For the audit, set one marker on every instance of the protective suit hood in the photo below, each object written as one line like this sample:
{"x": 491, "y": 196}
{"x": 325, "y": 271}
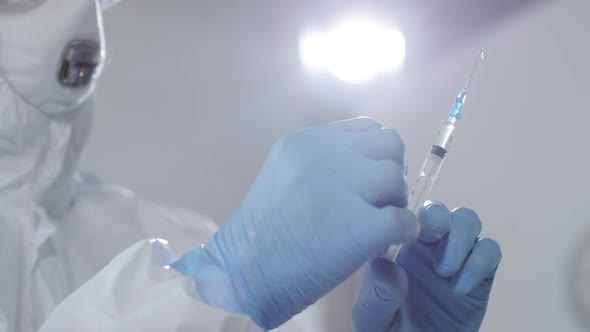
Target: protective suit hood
{"x": 58, "y": 230}
{"x": 50, "y": 57}
{"x": 51, "y": 52}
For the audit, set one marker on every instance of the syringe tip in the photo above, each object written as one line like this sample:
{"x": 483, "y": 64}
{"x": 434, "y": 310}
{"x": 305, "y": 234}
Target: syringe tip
{"x": 481, "y": 56}
{"x": 460, "y": 100}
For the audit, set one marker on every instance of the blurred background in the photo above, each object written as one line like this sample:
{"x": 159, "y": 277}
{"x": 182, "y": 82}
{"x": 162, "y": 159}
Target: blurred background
{"x": 195, "y": 92}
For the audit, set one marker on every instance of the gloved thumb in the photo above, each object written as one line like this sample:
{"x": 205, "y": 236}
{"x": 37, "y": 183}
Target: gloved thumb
{"x": 382, "y": 290}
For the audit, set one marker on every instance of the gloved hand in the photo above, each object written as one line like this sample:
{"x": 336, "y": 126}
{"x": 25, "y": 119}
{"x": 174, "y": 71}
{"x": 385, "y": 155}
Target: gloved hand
{"x": 442, "y": 283}
{"x": 326, "y": 200}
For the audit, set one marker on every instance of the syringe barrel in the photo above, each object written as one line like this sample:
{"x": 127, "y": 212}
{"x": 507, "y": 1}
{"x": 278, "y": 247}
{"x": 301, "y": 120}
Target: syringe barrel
{"x": 425, "y": 181}
{"x": 444, "y": 136}
{"x": 428, "y": 174}
{"x": 421, "y": 189}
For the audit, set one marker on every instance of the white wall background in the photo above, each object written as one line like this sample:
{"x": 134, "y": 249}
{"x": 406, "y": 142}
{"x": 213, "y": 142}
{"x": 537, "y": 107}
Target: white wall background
{"x": 195, "y": 92}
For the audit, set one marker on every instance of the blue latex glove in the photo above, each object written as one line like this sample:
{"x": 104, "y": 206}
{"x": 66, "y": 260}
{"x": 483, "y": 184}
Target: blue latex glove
{"x": 439, "y": 285}
{"x": 326, "y": 199}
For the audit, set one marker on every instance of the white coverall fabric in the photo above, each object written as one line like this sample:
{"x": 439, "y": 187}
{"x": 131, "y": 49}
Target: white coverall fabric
{"x": 51, "y": 246}
{"x": 59, "y": 230}
{"x": 161, "y": 297}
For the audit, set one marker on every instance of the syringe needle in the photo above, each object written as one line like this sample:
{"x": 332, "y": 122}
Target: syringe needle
{"x": 479, "y": 56}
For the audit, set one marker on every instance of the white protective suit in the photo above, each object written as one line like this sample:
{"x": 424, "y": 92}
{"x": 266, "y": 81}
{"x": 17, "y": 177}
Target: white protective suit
{"x": 75, "y": 253}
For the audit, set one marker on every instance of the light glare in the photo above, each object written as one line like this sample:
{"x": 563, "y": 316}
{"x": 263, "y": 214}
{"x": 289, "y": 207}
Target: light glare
{"x": 312, "y": 50}
{"x": 355, "y": 51}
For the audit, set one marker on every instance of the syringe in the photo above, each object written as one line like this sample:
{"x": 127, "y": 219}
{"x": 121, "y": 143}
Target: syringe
{"x": 435, "y": 158}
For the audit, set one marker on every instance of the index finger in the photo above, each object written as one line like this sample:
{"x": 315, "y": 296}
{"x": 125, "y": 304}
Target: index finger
{"x": 435, "y": 220}
{"x": 450, "y": 254}
{"x": 382, "y": 144}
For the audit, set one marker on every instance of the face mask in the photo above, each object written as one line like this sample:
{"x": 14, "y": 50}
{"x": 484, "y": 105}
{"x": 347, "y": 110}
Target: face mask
{"x": 51, "y": 51}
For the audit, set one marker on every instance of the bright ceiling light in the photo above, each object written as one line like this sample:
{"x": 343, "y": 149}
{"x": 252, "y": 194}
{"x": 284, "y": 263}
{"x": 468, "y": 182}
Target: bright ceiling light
{"x": 312, "y": 50}
{"x": 355, "y": 50}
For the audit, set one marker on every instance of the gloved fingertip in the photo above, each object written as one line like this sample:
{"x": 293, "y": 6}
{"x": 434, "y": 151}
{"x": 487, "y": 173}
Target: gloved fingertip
{"x": 435, "y": 220}
{"x": 434, "y": 207}
{"x": 180, "y": 267}
{"x": 434, "y": 211}
{"x": 445, "y": 261}
{"x": 384, "y": 289}
{"x": 390, "y": 277}
{"x": 384, "y": 282}
{"x": 448, "y": 264}
{"x": 444, "y": 270}
{"x": 466, "y": 284}
{"x": 400, "y": 225}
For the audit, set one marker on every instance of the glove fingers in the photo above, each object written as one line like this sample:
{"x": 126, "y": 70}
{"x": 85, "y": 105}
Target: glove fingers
{"x": 382, "y": 144}
{"x": 397, "y": 225}
{"x": 381, "y": 183}
{"x": 374, "y": 229}
{"x": 383, "y": 289}
{"x": 456, "y": 246}
{"x": 478, "y": 273}
{"x": 435, "y": 220}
